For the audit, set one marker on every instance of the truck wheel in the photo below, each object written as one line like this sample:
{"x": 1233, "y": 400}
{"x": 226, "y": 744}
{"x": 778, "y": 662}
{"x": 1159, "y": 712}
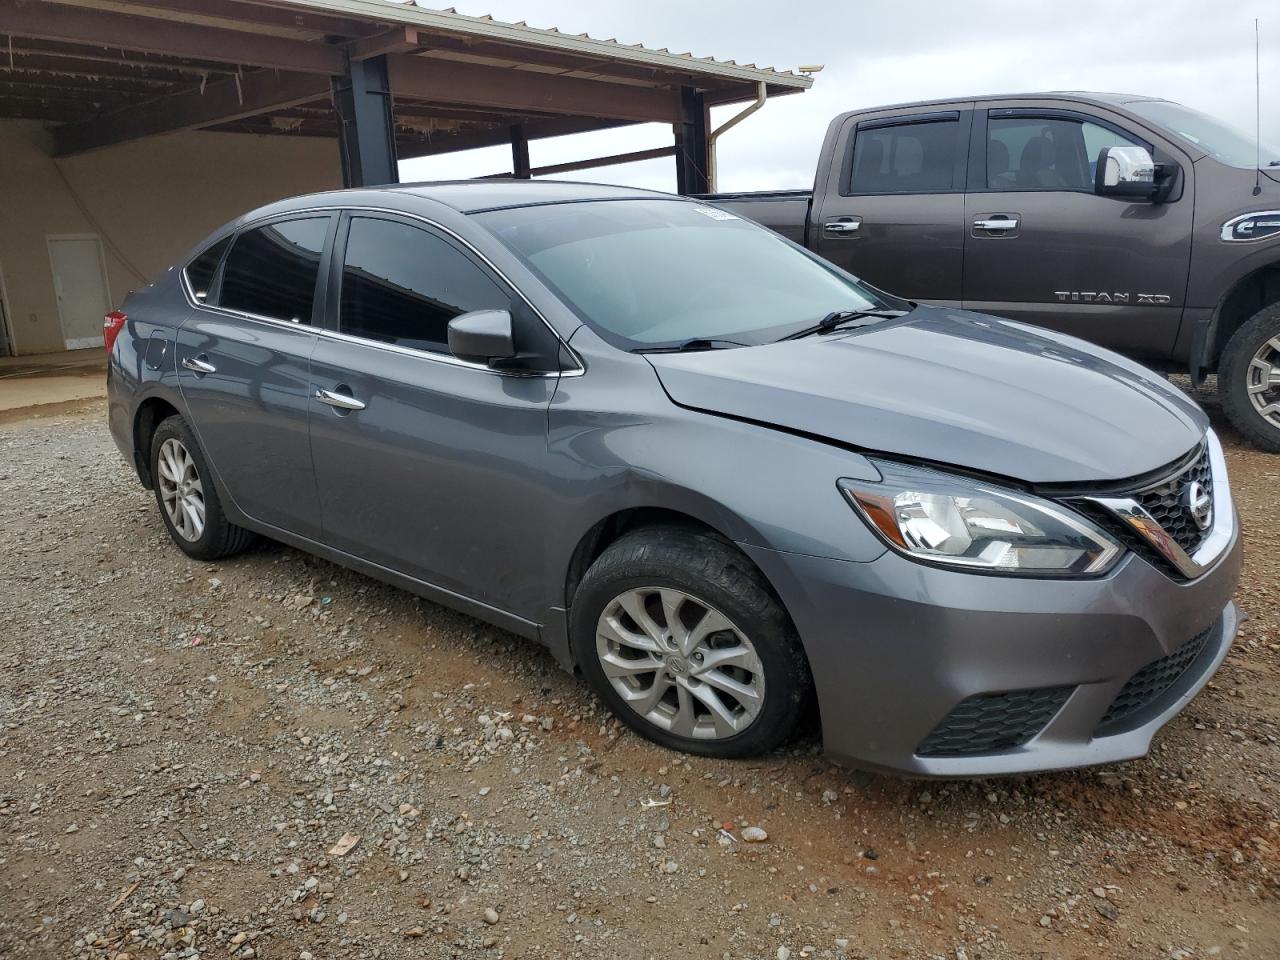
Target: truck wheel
{"x": 1249, "y": 379}
{"x": 680, "y": 635}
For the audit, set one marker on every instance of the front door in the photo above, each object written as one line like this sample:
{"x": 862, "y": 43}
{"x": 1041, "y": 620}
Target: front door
{"x": 427, "y": 465}
{"x": 893, "y": 211}
{"x": 80, "y": 285}
{"x": 243, "y": 366}
{"x": 1043, "y": 248}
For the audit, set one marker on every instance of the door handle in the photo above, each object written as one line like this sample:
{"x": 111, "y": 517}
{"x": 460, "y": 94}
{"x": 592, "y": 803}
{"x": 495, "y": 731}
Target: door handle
{"x": 199, "y": 365}
{"x": 342, "y": 401}
{"x": 1008, "y": 223}
{"x": 842, "y": 226}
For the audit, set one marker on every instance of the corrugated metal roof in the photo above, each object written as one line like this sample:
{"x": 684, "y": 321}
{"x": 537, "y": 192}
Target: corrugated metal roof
{"x": 450, "y": 21}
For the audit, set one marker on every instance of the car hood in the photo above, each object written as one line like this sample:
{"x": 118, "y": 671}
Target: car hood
{"x": 952, "y": 387}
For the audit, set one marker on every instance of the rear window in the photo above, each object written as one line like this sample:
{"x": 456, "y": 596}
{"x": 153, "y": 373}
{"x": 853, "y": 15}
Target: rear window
{"x": 201, "y": 270}
{"x": 271, "y": 271}
{"x": 906, "y": 158}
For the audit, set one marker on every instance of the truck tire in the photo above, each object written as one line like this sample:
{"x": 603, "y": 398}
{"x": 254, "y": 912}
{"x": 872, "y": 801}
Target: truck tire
{"x": 682, "y": 637}
{"x": 1249, "y": 379}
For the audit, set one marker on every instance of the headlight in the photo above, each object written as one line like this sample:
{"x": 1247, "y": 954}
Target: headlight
{"x": 959, "y": 522}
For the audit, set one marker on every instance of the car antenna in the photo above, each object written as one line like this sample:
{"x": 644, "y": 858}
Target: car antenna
{"x": 1257, "y": 110}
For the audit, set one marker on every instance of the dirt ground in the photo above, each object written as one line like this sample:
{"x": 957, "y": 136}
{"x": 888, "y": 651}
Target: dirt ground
{"x": 188, "y": 750}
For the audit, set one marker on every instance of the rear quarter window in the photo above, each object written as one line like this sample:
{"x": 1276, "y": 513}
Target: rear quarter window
{"x": 201, "y": 271}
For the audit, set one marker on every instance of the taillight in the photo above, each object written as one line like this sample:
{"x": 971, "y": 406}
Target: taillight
{"x": 112, "y": 324}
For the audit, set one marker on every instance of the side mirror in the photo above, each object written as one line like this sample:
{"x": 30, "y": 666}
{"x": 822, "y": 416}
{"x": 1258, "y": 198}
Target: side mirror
{"x": 482, "y": 336}
{"x": 1125, "y": 172}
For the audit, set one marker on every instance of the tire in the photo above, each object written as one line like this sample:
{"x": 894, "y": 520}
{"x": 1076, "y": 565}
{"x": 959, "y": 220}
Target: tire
{"x": 215, "y": 537}
{"x": 665, "y": 570}
{"x": 1252, "y": 351}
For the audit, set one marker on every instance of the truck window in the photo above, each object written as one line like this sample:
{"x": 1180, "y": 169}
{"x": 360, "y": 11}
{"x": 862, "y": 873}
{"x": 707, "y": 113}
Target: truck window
{"x": 1045, "y": 153}
{"x": 905, "y": 158}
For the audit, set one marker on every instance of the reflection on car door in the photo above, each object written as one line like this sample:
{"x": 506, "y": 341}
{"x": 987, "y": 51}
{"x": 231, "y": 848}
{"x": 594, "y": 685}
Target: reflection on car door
{"x": 242, "y": 360}
{"x": 1043, "y": 248}
{"x": 894, "y": 211}
{"x": 432, "y": 468}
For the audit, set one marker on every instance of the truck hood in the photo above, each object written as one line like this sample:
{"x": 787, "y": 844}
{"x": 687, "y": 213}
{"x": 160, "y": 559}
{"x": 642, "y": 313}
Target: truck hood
{"x": 952, "y": 387}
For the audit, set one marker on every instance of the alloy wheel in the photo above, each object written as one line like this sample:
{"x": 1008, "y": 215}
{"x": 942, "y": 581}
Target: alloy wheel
{"x": 680, "y": 663}
{"x": 181, "y": 490}
{"x": 1263, "y": 383}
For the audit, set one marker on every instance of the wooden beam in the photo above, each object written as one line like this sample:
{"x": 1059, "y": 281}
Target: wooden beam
{"x": 634, "y": 157}
{"x": 42, "y": 20}
{"x": 395, "y": 40}
{"x": 280, "y": 18}
{"x": 441, "y": 81}
{"x": 221, "y": 102}
{"x": 498, "y": 135}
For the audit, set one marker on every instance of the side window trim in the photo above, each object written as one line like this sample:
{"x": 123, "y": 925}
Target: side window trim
{"x": 977, "y": 175}
{"x": 318, "y": 299}
{"x": 962, "y": 118}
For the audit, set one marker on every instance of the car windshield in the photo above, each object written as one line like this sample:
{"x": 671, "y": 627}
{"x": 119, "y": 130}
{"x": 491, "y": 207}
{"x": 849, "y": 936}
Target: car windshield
{"x": 1222, "y": 142}
{"x": 651, "y": 273}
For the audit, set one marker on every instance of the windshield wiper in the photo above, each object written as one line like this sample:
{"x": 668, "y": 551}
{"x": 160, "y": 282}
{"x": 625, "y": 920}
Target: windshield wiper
{"x": 691, "y": 346}
{"x": 837, "y": 317}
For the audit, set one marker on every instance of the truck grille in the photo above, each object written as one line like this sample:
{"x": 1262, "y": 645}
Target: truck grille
{"x": 1150, "y": 683}
{"x": 992, "y": 722}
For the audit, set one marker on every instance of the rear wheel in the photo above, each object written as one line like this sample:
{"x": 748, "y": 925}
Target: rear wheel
{"x": 681, "y": 636}
{"x": 1249, "y": 379}
{"x": 188, "y": 500}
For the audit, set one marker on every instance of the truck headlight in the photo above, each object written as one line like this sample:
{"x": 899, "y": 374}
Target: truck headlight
{"x": 960, "y": 522}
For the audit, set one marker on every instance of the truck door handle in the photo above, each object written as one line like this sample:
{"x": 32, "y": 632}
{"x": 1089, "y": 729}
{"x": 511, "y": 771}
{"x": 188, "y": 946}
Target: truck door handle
{"x": 342, "y": 401}
{"x": 1008, "y": 223}
{"x": 199, "y": 364}
{"x": 842, "y": 226}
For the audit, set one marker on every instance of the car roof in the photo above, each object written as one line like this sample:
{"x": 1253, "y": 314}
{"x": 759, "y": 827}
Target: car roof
{"x": 472, "y": 196}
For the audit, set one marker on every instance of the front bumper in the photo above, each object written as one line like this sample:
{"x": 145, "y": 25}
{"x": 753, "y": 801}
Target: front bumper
{"x": 896, "y": 646}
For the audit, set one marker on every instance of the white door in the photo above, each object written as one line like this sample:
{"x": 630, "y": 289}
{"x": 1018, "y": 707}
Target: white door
{"x": 80, "y": 282}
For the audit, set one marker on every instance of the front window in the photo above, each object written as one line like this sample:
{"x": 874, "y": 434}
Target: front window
{"x": 1222, "y": 142}
{"x": 647, "y": 273}
{"x": 1045, "y": 153}
{"x": 402, "y": 285}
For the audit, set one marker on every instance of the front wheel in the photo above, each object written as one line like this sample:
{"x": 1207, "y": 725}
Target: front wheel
{"x": 1249, "y": 379}
{"x": 682, "y": 637}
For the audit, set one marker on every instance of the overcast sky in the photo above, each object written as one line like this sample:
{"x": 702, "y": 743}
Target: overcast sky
{"x": 1197, "y": 52}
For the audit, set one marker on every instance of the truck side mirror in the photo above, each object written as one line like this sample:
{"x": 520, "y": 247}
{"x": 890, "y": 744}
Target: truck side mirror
{"x": 482, "y": 336}
{"x": 1127, "y": 172}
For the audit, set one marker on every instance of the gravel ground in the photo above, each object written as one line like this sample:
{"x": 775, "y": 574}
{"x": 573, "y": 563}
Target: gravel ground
{"x": 274, "y": 757}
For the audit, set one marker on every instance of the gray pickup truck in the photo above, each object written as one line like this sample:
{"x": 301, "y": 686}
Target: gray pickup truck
{"x": 1132, "y": 222}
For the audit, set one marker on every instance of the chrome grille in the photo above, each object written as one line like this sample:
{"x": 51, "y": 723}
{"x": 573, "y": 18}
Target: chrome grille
{"x": 1167, "y": 502}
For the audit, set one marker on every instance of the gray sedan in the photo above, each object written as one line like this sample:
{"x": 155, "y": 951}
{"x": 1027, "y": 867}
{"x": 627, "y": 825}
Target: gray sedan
{"x": 727, "y": 482}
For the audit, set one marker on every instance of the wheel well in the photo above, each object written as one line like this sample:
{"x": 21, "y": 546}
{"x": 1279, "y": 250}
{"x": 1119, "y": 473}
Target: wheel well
{"x": 1250, "y": 294}
{"x": 151, "y": 412}
{"x": 596, "y": 540}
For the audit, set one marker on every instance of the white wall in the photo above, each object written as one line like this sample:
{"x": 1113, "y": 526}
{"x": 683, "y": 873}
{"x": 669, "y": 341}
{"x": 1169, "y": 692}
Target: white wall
{"x": 151, "y": 199}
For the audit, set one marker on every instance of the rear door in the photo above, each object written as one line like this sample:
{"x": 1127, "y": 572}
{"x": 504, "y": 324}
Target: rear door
{"x": 433, "y": 468}
{"x": 243, "y": 357}
{"x": 892, "y": 211}
{"x": 1042, "y": 247}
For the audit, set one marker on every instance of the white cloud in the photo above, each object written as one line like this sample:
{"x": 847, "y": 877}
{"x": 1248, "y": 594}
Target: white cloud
{"x": 879, "y": 52}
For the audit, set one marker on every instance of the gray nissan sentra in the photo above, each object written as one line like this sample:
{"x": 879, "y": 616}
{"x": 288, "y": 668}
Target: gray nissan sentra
{"x": 720, "y": 477}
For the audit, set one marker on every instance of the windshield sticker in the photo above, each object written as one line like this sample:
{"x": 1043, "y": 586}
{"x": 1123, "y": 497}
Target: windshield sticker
{"x": 715, "y": 213}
